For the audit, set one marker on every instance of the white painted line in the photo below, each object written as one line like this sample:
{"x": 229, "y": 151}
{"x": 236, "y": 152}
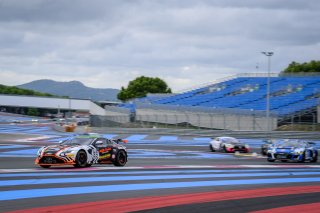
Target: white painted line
{"x": 34, "y": 139}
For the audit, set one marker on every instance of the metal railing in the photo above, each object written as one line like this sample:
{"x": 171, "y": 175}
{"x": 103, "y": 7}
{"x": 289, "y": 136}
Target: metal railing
{"x": 227, "y": 79}
{"x": 197, "y": 109}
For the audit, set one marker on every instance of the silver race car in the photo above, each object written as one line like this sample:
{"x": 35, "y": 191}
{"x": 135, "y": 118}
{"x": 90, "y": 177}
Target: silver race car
{"x": 293, "y": 150}
{"x": 228, "y": 144}
{"x": 83, "y": 151}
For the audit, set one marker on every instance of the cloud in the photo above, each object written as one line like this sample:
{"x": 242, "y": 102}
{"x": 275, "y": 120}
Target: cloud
{"x": 187, "y": 43}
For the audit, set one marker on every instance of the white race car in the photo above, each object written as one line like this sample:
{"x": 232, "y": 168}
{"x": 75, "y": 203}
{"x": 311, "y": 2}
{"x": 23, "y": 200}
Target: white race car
{"x": 83, "y": 151}
{"x": 228, "y": 144}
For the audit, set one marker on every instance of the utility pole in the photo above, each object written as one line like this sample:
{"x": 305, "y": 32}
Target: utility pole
{"x": 268, "y": 54}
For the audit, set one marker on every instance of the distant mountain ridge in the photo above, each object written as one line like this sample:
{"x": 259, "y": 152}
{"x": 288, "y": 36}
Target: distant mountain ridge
{"x": 73, "y": 89}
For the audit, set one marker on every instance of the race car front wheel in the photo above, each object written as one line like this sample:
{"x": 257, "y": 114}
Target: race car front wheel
{"x": 302, "y": 157}
{"x": 81, "y": 159}
{"x": 211, "y": 148}
{"x": 224, "y": 149}
{"x": 121, "y": 158}
{"x": 45, "y": 166}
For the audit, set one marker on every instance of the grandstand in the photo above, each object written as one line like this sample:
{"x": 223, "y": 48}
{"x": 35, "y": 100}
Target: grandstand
{"x": 287, "y": 94}
{"x": 290, "y": 97}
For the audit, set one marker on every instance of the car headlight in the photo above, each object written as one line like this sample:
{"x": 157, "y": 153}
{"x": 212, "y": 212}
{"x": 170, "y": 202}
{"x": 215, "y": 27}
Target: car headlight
{"x": 271, "y": 150}
{"x": 228, "y": 145}
{"x": 40, "y": 151}
{"x": 298, "y": 151}
{"x": 247, "y": 146}
{"x": 65, "y": 153}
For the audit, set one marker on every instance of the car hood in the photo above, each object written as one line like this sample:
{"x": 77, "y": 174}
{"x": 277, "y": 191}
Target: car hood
{"x": 235, "y": 144}
{"x": 288, "y": 149}
{"x": 51, "y": 150}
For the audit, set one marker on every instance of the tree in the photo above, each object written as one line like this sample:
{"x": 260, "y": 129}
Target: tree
{"x": 309, "y": 67}
{"x": 141, "y": 86}
{"x": 11, "y": 90}
{"x": 32, "y": 112}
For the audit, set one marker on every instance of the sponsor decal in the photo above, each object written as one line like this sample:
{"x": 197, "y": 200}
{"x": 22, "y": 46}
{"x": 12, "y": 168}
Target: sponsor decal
{"x": 104, "y": 156}
{"x": 105, "y": 149}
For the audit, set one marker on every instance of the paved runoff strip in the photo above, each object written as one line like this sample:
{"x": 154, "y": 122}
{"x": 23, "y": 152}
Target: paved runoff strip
{"x": 148, "y": 177}
{"x": 307, "y": 208}
{"x": 60, "y": 191}
{"x": 153, "y": 202}
{"x": 171, "y": 171}
{"x": 70, "y": 169}
{"x": 51, "y": 184}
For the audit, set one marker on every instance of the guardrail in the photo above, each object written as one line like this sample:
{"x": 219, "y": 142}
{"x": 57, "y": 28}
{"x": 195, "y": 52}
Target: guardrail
{"x": 210, "y": 133}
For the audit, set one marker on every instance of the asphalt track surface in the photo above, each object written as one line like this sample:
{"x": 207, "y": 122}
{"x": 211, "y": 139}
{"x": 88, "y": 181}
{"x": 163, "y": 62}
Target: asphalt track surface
{"x": 163, "y": 174}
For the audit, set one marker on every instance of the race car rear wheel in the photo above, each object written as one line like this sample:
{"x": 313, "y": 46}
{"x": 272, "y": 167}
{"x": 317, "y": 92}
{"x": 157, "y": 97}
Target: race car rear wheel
{"x": 121, "y": 158}
{"x": 211, "y": 148}
{"x": 81, "y": 159}
{"x": 271, "y": 160}
{"x": 45, "y": 166}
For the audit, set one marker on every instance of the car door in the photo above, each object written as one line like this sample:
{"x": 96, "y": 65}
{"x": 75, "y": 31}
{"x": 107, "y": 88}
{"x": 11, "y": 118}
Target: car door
{"x": 216, "y": 143}
{"x": 104, "y": 150}
{"x": 308, "y": 151}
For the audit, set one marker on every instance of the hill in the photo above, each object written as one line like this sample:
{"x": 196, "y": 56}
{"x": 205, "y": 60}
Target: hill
{"x": 10, "y": 90}
{"x": 72, "y": 89}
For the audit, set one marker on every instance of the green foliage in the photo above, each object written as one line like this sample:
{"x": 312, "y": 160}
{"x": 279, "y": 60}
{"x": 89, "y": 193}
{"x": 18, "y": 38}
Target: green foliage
{"x": 141, "y": 86}
{"x": 294, "y": 67}
{"x": 33, "y": 112}
{"x": 18, "y": 91}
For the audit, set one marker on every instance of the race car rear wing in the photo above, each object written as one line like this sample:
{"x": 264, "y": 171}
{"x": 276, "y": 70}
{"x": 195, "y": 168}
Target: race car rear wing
{"x": 120, "y": 140}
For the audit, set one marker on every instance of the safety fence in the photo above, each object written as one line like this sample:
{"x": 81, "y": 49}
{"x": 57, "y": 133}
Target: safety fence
{"x": 151, "y": 115}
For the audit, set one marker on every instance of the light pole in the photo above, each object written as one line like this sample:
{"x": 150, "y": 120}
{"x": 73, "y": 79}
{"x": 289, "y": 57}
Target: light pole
{"x": 268, "y": 54}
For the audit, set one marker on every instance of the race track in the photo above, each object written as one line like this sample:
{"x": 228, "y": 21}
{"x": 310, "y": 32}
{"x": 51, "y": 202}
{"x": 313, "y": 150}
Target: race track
{"x": 163, "y": 174}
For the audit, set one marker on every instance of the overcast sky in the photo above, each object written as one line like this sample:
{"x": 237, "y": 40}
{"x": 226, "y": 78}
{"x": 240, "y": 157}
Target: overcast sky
{"x": 107, "y": 43}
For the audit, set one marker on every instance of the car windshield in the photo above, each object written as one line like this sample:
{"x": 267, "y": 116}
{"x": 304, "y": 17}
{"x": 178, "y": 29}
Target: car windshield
{"x": 78, "y": 141}
{"x": 230, "y": 140}
{"x": 268, "y": 142}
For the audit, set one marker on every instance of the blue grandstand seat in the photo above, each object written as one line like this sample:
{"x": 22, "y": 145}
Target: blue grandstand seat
{"x": 287, "y": 94}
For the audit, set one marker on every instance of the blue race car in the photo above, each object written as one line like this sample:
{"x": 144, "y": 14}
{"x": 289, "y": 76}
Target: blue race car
{"x": 293, "y": 150}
